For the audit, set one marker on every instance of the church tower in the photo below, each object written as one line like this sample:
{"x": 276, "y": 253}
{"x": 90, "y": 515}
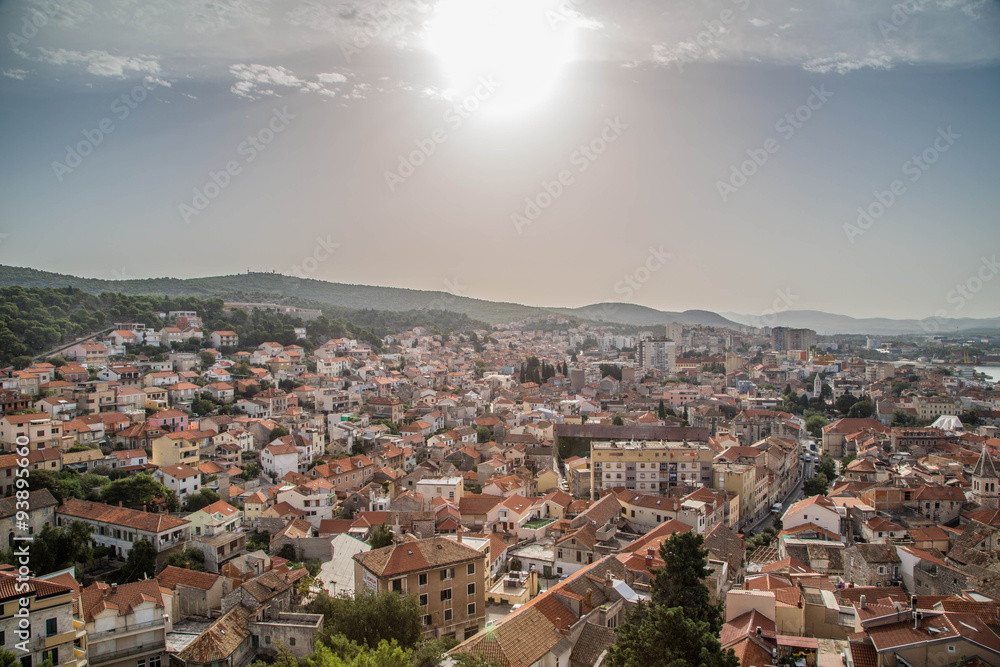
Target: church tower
{"x": 986, "y": 482}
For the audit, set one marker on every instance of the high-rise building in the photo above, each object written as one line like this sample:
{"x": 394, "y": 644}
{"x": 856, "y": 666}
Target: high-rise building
{"x": 785, "y": 338}
{"x": 675, "y": 331}
{"x": 657, "y": 353}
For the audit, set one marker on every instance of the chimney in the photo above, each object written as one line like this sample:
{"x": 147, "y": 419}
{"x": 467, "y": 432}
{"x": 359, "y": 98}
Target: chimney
{"x": 864, "y": 601}
{"x": 590, "y": 598}
{"x": 609, "y": 582}
{"x": 760, "y": 631}
{"x": 119, "y": 503}
{"x": 913, "y": 602}
{"x": 144, "y": 507}
{"x": 459, "y": 535}
{"x": 187, "y": 565}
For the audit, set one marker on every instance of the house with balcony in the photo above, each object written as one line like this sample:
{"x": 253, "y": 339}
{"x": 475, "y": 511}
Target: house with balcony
{"x": 127, "y": 624}
{"x": 221, "y": 339}
{"x": 118, "y": 528}
{"x": 180, "y": 447}
{"x": 55, "y": 634}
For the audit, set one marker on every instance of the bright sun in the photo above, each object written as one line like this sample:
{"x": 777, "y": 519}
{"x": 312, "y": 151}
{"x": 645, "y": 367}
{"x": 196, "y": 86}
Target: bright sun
{"x": 518, "y": 43}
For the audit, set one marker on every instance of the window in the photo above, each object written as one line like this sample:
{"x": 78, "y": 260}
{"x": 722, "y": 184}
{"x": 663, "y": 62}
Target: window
{"x": 397, "y": 585}
{"x": 447, "y": 573}
{"x": 154, "y": 661}
{"x": 427, "y": 619}
{"x": 471, "y": 589}
{"x": 951, "y": 648}
{"x": 423, "y": 599}
{"x": 267, "y": 639}
{"x": 445, "y": 594}
{"x": 291, "y": 641}
{"x": 51, "y": 627}
{"x": 141, "y": 662}
{"x": 471, "y": 568}
{"x": 422, "y": 579}
{"x": 471, "y": 609}
{"x": 559, "y": 555}
{"x": 447, "y": 614}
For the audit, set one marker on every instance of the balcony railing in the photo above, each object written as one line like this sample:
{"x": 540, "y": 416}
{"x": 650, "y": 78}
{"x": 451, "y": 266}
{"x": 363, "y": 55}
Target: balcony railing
{"x": 128, "y": 629}
{"x": 114, "y": 656}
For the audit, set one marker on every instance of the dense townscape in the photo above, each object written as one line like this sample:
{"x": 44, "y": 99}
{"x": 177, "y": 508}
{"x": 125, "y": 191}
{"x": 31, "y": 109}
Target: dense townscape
{"x": 544, "y": 492}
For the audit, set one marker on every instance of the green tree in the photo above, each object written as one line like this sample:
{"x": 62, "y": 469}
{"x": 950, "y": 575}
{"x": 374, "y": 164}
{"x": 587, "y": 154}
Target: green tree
{"x": 370, "y": 617}
{"x": 680, "y": 582}
{"x": 617, "y": 421}
{"x": 140, "y": 563}
{"x": 483, "y": 434}
{"x": 861, "y": 410}
{"x": 816, "y": 486}
{"x": 203, "y": 498}
{"x": 251, "y": 471}
{"x": 827, "y": 466}
{"x": 57, "y": 548}
{"x": 192, "y": 558}
{"x": 135, "y": 492}
{"x": 8, "y": 659}
{"x": 815, "y": 424}
{"x": 381, "y": 537}
{"x": 844, "y": 403}
{"x": 277, "y": 432}
{"x": 678, "y": 627}
{"x": 901, "y": 418}
{"x": 430, "y": 653}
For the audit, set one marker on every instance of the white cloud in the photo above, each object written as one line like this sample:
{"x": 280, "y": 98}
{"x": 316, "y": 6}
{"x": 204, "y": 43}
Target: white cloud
{"x": 820, "y": 37}
{"x": 19, "y": 74}
{"x": 100, "y": 63}
{"x": 259, "y": 80}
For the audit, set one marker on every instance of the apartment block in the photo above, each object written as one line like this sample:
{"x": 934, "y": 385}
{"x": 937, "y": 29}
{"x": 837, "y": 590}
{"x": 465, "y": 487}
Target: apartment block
{"x": 649, "y": 467}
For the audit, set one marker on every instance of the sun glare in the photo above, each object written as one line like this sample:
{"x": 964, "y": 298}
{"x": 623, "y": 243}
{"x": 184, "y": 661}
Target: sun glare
{"x": 522, "y": 45}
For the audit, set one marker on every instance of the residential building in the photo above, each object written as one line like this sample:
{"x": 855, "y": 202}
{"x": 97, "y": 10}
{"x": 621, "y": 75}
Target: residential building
{"x": 118, "y": 528}
{"x": 651, "y": 467}
{"x": 448, "y": 578}
{"x": 127, "y": 624}
{"x": 55, "y": 634}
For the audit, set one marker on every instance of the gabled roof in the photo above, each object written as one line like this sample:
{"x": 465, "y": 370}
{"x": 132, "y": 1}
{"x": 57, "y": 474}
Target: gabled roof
{"x": 416, "y": 556}
{"x": 123, "y": 598}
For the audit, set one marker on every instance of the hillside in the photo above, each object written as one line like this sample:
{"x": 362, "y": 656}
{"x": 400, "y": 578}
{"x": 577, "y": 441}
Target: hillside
{"x": 829, "y": 323}
{"x": 296, "y": 291}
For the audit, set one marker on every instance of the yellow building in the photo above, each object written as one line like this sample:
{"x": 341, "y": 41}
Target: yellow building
{"x": 547, "y": 480}
{"x": 739, "y": 479}
{"x": 172, "y": 449}
{"x": 54, "y": 633}
{"x": 930, "y": 408}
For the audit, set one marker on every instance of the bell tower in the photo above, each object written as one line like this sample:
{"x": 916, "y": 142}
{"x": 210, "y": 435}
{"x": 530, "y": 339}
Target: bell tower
{"x": 986, "y": 482}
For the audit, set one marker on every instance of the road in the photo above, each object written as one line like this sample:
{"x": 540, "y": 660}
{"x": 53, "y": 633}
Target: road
{"x": 806, "y": 470}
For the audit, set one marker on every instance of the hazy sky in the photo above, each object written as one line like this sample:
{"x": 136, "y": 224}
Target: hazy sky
{"x": 715, "y": 153}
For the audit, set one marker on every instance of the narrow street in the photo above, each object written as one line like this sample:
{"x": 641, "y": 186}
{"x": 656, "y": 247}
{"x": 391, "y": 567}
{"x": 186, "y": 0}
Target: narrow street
{"x": 806, "y": 469}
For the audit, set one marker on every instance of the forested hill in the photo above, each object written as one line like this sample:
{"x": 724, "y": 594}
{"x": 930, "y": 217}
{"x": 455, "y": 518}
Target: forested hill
{"x": 36, "y": 319}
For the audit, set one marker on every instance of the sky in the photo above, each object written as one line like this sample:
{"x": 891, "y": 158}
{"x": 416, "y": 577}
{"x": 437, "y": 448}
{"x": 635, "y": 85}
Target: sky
{"x": 738, "y": 156}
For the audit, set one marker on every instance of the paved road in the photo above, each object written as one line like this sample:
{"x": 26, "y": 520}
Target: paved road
{"x": 806, "y": 470}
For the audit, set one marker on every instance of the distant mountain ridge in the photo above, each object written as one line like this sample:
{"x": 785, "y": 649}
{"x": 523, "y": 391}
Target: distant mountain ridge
{"x": 291, "y": 290}
{"x": 829, "y": 323}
